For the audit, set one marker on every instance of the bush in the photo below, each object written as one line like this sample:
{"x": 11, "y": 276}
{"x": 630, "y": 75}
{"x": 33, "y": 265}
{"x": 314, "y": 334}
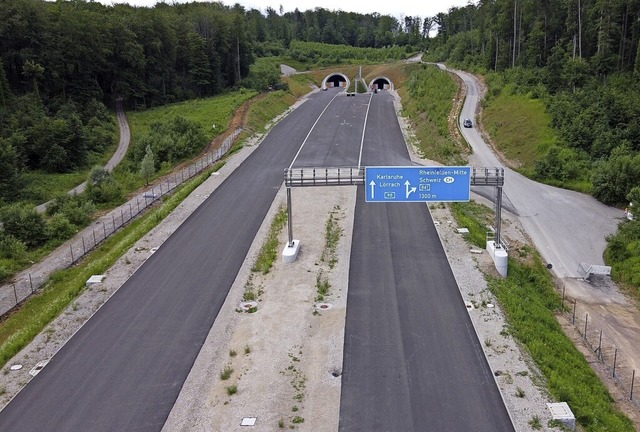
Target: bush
{"x": 60, "y": 228}
{"x": 75, "y": 208}
{"x": 12, "y": 248}
{"x": 103, "y": 188}
{"x": 25, "y": 224}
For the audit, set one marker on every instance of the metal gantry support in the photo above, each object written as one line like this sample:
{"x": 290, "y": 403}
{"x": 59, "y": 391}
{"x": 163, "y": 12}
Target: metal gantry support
{"x": 354, "y": 176}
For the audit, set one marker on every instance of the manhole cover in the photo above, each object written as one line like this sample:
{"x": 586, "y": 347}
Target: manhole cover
{"x": 247, "y": 305}
{"x": 323, "y": 306}
{"x": 16, "y": 367}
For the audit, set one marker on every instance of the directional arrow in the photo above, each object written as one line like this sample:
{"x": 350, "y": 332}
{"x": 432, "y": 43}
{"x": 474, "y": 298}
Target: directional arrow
{"x": 373, "y": 187}
{"x": 408, "y": 190}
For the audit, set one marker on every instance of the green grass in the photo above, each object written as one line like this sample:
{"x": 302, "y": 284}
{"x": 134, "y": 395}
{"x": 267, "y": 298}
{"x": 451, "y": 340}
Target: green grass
{"x": 427, "y": 103}
{"x": 301, "y": 84}
{"x": 520, "y": 127}
{"x": 475, "y": 217}
{"x": 225, "y": 373}
{"x": 530, "y": 301}
{"x": 206, "y": 112}
{"x": 268, "y": 251}
{"x": 332, "y": 235}
{"x": 266, "y": 108}
{"x": 64, "y": 286}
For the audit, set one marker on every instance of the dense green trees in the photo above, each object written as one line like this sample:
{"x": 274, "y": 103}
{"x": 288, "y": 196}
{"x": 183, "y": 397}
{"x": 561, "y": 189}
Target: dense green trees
{"x": 581, "y": 58}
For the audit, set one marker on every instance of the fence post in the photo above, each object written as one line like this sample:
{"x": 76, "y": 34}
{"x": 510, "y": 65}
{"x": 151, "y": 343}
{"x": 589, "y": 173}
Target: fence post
{"x": 121, "y": 217}
{"x": 113, "y": 221}
{"x": 84, "y": 249}
{"x": 633, "y": 378}
{"x": 31, "y": 283}
{"x": 586, "y": 321}
{"x": 72, "y": 259}
{"x": 130, "y": 212}
{"x": 104, "y": 228}
{"x": 573, "y": 321}
{"x": 615, "y": 359}
{"x": 15, "y": 293}
{"x": 600, "y": 347}
{"x": 95, "y": 242}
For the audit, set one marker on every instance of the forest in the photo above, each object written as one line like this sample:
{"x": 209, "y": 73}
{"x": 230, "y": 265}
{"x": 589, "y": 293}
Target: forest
{"x": 63, "y": 63}
{"x": 582, "y": 59}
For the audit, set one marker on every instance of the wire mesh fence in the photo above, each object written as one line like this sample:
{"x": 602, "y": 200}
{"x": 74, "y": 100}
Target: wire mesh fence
{"x": 618, "y": 364}
{"x": 30, "y": 281}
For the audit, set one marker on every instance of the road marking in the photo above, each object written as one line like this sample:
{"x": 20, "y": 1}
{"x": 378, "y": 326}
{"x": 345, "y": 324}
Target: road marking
{"x": 311, "y": 130}
{"x": 364, "y": 128}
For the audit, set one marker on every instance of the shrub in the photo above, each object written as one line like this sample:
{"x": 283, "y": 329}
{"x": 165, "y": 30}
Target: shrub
{"x": 24, "y": 223}
{"x": 60, "y": 228}
{"x": 12, "y": 248}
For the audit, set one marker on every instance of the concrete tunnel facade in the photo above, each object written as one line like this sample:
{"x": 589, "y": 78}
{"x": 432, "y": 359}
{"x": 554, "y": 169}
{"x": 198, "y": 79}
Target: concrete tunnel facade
{"x": 336, "y": 79}
{"x": 381, "y": 83}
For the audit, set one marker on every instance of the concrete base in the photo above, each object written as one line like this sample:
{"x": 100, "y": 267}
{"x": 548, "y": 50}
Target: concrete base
{"x": 290, "y": 253}
{"x": 561, "y": 412}
{"x": 500, "y": 257}
{"x": 95, "y": 280}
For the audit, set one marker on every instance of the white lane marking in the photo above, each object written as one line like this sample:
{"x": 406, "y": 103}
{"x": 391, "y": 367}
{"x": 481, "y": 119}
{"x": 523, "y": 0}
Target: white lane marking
{"x": 364, "y": 128}
{"x": 311, "y": 130}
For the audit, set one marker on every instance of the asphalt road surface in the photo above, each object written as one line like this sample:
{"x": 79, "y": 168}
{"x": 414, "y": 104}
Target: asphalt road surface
{"x": 412, "y": 359}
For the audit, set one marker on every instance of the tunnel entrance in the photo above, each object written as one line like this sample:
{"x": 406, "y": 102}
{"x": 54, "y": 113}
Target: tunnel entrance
{"x": 335, "y": 80}
{"x": 381, "y": 83}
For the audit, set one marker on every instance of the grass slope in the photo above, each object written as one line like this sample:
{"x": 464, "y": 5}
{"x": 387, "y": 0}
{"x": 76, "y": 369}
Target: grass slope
{"x": 520, "y": 128}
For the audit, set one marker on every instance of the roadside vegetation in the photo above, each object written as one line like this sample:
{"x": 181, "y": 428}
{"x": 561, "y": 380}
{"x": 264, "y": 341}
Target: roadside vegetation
{"x": 317, "y": 55}
{"x": 269, "y": 250}
{"x": 426, "y": 102}
{"x": 623, "y": 255}
{"x": 64, "y": 286}
{"x": 172, "y": 133}
{"x": 531, "y": 302}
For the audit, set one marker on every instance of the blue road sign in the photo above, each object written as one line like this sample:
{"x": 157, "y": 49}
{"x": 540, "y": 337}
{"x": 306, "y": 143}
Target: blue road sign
{"x": 418, "y": 184}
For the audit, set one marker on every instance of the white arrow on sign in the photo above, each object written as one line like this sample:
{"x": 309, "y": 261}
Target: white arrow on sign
{"x": 373, "y": 187}
{"x": 408, "y": 190}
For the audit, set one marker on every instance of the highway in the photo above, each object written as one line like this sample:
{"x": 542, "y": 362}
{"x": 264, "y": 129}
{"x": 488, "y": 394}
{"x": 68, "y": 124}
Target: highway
{"x": 412, "y": 359}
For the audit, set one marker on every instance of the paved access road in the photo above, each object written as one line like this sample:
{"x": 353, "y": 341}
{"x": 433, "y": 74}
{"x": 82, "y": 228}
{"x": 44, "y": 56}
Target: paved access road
{"x": 567, "y": 227}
